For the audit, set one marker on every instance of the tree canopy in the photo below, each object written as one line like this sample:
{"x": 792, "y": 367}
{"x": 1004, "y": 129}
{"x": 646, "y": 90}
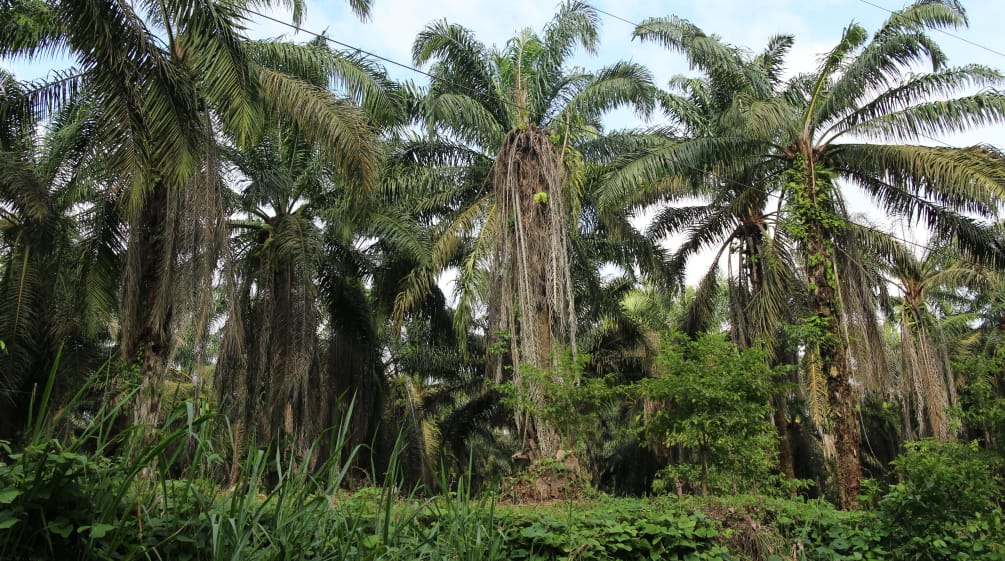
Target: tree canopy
{"x": 475, "y": 271}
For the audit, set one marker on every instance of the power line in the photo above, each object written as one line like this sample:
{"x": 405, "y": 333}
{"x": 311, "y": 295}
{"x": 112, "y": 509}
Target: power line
{"x": 953, "y": 35}
{"x": 324, "y": 37}
{"x": 519, "y": 107}
{"x": 617, "y": 17}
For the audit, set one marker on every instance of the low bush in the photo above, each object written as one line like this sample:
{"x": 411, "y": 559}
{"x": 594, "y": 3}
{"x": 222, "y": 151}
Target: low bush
{"x": 610, "y": 529}
{"x": 944, "y": 505}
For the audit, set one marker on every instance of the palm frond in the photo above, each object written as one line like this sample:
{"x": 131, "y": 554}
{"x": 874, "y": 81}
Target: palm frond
{"x": 623, "y": 84}
{"x": 30, "y": 29}
{"x": 207, "y": 34}
{"x": 966, "y": 180}
{"x": 337, "y": 127}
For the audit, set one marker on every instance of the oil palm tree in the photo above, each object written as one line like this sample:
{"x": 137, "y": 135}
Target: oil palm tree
{"x": 816, "y": 132}
{"x": 931, "y": 288}
{"x": 164, "y": 79}
{"x": 862, "y": 90}
{"x": 734, "y": 215}
{"x": 269, "y": 377}
{"x": 729, "y": 211}
{"x": 521, "y": 109}
{"x": 296, "y": 273}
{"x": 61, "y": 242}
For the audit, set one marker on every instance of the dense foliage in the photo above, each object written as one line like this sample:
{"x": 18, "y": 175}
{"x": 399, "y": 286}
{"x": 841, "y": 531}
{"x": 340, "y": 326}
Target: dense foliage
{"x": 62, "y": 500}
{"x": 224, "y": 331}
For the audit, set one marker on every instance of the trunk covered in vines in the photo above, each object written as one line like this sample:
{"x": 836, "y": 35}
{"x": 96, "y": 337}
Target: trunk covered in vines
{"x": 816, "y": 223}
{"x": 531, "y": 305}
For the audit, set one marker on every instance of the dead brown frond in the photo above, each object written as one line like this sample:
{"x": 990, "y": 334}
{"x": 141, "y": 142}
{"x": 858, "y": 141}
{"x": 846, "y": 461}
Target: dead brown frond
{"x": 531, "y": 300}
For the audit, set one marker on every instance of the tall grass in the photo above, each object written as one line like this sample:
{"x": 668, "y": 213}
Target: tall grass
{"x": 120, "y": 494}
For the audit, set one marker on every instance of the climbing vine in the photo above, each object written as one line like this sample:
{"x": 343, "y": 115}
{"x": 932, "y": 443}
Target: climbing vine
{"x": 813, "y": 219}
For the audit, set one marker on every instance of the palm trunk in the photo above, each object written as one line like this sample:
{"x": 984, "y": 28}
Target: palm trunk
{"x": 153, "y": 371}
{"x": 819, "y": 220}
{"x": 533, "y": 292}
{"x": 786, "y": 457}
{"x": 151, "y": 306}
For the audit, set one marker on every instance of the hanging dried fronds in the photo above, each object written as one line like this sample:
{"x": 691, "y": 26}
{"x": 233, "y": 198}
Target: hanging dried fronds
{"x": 532, "y": 299}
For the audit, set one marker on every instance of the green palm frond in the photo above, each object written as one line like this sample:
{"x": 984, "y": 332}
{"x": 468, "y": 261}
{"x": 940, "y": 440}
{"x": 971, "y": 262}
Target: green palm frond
{"x": 40, "y": 100}
{"x": 707, "y": 53}
{"x": 116, "y": 51}
{"x": 688, "y": 113}
{"x": 470, "y": 285}
{"x": 460, "y": 59}
{"x": 772, "y": 59}
{"x": 970, "y": 180}
{"x": 616, "y": 148}
{"x": 350, "y": 74}
{"x": 623, "y": 84}
{"x": 935, "y": 118}
{"x": 918, "y": 89}
{"x": 30, "y": 29}
{"x": 575, "y": 22}
{"x": 853, "y": 37}
{"x": 672, "y": 219}
{"x": 703, "y": 312}
{"x": 777, "y": 299}
{"x": 21, "y": 187}
{"x": 206, "y": 34}
{"x": 467, "y": 119}
{"x": 972, "y": 236}
{"x": 900, "y": 43}
{"x": 337, "y": 127}
{"x": 681, "y": 164}
{"x": 757, "y": 118}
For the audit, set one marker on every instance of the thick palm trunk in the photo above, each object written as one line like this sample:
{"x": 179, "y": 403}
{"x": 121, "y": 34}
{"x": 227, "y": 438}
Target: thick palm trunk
{"x": 818, "y": 220}
{"x": 149, "y": 302}
{"x": 532, "y": 300}
{"x": 153, "y": 372}
{"x": 535, "y": 222}
{"x": 355, "y": 380}
{"x": 832, "y": 354}
{"x": 786, "y": 457}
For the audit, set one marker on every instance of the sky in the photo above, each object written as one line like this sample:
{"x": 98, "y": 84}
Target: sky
{"x": 816, "y": 24}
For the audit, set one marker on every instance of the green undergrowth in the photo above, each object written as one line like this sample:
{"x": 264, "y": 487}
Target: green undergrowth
{"x": 101, "y": 495}
{"x": 74, "y": 508}
{"x": 609, "y": 529}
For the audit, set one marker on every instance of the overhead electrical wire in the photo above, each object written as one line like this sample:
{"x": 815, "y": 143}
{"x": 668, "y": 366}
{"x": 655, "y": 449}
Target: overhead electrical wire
{"x": 943, "y": 31}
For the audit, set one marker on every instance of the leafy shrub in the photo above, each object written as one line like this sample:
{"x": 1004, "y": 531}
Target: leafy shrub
{"x": 620, "y": 529}
{"x": 716, "y": 406}
{"x": 944, "y": 506}
{"x": 51, "y": 500}
{"x": 981, "y": 406}
{"x": 773, "y": 529}
{"x": 941, "y": 483}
